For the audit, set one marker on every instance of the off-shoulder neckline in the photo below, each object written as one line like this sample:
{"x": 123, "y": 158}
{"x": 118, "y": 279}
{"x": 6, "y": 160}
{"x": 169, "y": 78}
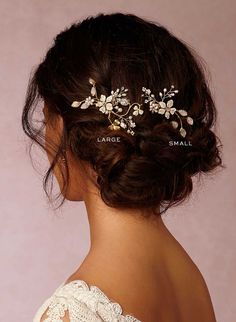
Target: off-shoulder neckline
{"x": 91, "y": 287}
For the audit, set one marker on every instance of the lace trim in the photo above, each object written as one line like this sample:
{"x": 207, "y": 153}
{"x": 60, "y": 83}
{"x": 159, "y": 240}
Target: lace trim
{"x": 83, "y": 303}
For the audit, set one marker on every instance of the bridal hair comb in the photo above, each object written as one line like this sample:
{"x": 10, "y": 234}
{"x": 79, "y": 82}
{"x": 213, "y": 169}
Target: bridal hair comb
{"x": 110, "y": 105}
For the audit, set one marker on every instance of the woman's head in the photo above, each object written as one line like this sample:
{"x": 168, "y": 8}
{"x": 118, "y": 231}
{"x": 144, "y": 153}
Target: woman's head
{"x": 140, "y": 171}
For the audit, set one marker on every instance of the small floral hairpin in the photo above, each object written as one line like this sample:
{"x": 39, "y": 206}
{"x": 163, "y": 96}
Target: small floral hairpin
{"x": 167, "y": 108}
{"x": 110, "y": 105}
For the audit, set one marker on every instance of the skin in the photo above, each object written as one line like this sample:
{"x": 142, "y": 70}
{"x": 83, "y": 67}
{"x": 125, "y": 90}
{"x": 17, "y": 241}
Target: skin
{"x": 137, "y": 262}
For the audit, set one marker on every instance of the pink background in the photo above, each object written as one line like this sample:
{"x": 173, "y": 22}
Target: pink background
{"x": 40, "y": 248}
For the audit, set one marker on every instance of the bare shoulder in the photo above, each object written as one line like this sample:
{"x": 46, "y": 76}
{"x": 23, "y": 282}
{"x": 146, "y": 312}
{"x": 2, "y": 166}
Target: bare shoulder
{"x": 191, "y": 288}
{"x": 201, "y": 296}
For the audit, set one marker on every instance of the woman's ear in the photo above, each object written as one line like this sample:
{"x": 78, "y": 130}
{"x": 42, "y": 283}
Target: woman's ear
{"x": 54, "y": 127}
{"x": 53, "y": 133}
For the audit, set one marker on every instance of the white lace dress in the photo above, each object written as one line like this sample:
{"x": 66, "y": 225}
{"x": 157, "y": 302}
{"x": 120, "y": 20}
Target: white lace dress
{"x": 83, "y": 303}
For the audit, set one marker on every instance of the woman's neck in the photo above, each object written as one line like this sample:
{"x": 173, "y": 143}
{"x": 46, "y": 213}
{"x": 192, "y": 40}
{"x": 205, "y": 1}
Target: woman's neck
{"x": 116, "y": 234}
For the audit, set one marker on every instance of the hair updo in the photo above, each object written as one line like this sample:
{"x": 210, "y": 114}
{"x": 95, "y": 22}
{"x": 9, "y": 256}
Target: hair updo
{"x": 140, "y": 171}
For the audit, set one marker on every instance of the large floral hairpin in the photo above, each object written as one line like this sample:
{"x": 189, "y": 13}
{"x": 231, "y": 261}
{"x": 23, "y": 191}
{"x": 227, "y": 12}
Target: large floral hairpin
{"x": 111, "y": 105}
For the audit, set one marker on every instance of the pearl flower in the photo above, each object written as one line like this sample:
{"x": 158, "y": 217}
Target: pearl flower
{"x": 137, "y": 110}
{"x": 166, "y": 108}
{"x": 105, "y": 104}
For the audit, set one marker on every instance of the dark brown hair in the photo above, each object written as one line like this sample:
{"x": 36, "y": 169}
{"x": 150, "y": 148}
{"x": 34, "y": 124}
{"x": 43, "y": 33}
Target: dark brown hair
{"x": 141, "y": 171}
